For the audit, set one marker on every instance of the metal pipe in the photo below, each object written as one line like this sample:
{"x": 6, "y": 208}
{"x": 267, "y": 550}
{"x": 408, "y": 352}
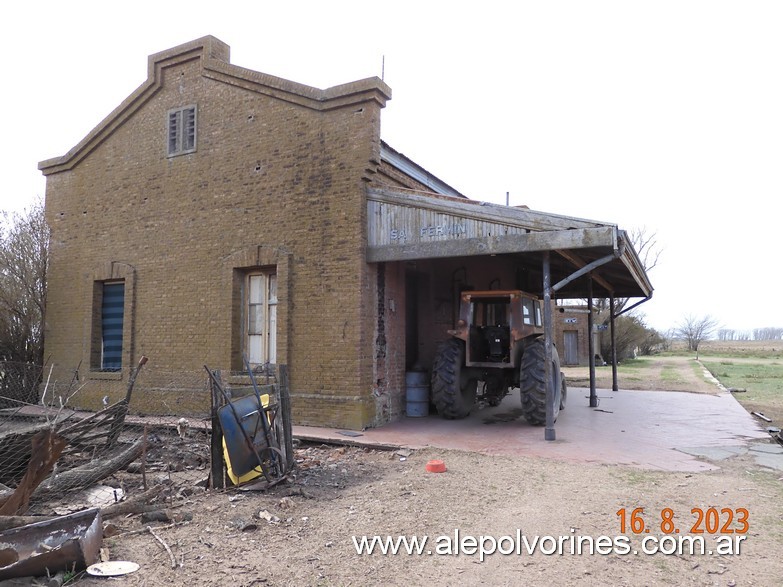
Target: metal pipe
{"x": 549, "y": 432}
{"x": 629, "y": 308}
{"x": 591, "y": 343}
{"x": 583, "y": 271}
{"x": 564, "y": 309}
{"x": 614, "y": 343}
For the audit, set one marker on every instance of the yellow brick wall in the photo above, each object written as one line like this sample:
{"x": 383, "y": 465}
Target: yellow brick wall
{"x": 271, "y": 182}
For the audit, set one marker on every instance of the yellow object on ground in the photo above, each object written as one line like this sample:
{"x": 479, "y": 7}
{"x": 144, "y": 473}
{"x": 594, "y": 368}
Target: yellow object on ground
{"x": 234, "y": 479}
{"x": 255, "y": 472}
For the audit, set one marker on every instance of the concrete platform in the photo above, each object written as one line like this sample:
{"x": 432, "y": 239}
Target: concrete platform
{"x": 663, "y": 430}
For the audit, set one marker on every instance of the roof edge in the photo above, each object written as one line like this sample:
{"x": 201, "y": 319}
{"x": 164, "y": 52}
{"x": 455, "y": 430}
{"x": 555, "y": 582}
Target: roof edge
{"x": 210, "y": 47}
{"x": 416, "y": 171}
{"x": 215, "y": 58}
{"x": 371, "y": 88}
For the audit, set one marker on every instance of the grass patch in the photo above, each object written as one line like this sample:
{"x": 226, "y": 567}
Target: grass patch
{"x": 634, "y": 364}
{"x": 669, "y": 374}
{"x": 763, "y": 383}
{"x": 747, "y": 349}
{"x": 697, "y": 369}
{"x": 758, "y": 378}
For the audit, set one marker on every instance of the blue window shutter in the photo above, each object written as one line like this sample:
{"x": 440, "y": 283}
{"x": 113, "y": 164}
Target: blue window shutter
{"x": 112, "y": 316}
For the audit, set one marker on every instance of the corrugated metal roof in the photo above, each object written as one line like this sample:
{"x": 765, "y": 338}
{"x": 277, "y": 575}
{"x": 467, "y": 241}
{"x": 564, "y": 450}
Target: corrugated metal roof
{"x": 417, "y": 172}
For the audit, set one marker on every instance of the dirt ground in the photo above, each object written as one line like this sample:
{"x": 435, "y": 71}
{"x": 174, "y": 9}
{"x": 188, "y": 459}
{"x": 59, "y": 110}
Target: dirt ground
{"x": 670, "y": 373}
{"x": 302, "y": 532}
{"x": 340, "y": 493}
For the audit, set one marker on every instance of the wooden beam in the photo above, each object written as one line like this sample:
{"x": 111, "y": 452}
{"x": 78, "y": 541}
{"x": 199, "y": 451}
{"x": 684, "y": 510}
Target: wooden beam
{"x": 496, "y": 245}
{"x": 578, "y": 262}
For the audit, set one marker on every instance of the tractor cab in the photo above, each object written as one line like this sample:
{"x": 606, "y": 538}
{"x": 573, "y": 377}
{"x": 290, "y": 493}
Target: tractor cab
{"x": 492, "y": 323}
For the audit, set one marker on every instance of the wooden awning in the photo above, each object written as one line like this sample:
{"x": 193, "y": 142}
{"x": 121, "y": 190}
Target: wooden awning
{"x": 404, "y": 226}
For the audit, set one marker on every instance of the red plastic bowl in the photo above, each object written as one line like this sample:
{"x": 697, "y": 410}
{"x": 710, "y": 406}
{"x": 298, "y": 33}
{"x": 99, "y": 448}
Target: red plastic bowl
{"x": 436, "y": 466}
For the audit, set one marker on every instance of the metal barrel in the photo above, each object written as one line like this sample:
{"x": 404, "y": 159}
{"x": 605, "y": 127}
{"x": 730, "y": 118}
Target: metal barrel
{"x": 417, "y": 394}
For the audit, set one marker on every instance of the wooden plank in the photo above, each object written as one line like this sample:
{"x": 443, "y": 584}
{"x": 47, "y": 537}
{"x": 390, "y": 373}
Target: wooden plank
{"x": 512, "y": 216}
{"x": 491, "y": 245}
{"x": 391, "y": 225}
{"x": 217, "y": 465}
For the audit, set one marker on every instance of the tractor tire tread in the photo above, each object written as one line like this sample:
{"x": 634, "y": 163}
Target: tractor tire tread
{"x": 446, "y": 370}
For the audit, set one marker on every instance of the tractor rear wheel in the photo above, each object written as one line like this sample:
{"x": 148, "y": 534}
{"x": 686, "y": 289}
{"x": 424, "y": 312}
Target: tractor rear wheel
{"x": 453, "y": 389}
{"x": 563, "y": 391}
{"x": 532, "y": 383}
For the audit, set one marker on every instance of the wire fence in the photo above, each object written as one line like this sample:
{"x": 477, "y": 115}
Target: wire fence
{"x": 71, "y": 440}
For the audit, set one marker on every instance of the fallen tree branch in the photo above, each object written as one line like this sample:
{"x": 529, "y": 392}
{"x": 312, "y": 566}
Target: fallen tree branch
{"x": 56, "y": 580}
{"x": 91, "y": 473}
{"x": 46, "y": 449}
{"x": 166, "y": 546}
{"x": 134, "y": 505}
{"x": 143, "y": 530}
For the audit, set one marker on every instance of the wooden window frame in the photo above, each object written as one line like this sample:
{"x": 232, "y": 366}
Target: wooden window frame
{"x": 181, "y": 130}
{"x": 268, "y": 310}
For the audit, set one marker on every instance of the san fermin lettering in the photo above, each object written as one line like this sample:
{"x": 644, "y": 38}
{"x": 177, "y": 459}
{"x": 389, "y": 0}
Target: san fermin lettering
{"x": 402, "y": 234}
{"x": 442, "y": 230}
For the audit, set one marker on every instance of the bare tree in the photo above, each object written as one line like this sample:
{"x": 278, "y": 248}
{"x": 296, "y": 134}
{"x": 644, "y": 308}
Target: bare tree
{"x": 648, "y": 251}
{"x": 695, "y": 329}
{"x": 24, "y": 259}
{"x": 646, "y": 247}
{"x": 631, "y": 332}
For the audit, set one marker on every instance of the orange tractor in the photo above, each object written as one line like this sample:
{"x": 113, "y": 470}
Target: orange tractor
{"x": 498, "y": 345}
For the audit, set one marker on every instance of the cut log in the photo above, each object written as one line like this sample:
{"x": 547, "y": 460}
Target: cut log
{"x": 90, "y": 473}
{"x": 46, "y": 449}
{"x": 135, "y": 505}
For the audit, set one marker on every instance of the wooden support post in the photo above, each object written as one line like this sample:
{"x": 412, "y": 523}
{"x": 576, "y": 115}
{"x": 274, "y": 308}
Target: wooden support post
{"x": 549, "y": 432}
{"x": 591, "y": 342}
{"x": 284, "y": 398}
{"x": 216, "y": 443}
{"x": 614, "y": 345}
{"x": 144, "y": 459}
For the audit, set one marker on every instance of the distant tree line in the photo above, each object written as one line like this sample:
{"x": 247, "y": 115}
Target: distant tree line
{"x": 769, "y": 333}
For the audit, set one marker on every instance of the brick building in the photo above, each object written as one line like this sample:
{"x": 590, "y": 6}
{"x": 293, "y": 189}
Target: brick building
{"x": 570, "y": 328}
{"x": 220, "y": 212}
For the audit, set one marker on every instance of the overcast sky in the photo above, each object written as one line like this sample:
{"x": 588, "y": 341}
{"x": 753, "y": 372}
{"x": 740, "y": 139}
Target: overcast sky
{"x": 664, "y": 115}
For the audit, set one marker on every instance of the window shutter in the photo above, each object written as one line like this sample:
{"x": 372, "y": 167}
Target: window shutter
{"x": 112, "y": 318}
{"x": 189, "y": 139}
{"x": 181, "y": 137}
{"x": 174, "y": 126}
